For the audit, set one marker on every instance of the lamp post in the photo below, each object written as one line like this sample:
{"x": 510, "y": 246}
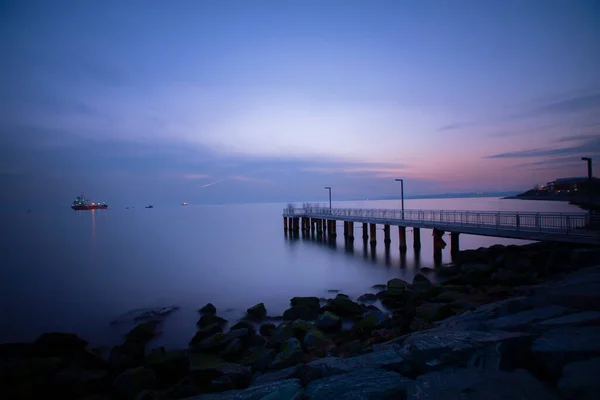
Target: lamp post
{"x": 589, "y": 185}
{"x": 402, "y": 194}
{"x": 329, "y": 188}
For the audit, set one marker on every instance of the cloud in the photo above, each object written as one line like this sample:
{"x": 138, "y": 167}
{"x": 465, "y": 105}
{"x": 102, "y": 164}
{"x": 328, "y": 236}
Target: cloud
{"x": 456, "y": 125}
{"x": 588, "y": 145}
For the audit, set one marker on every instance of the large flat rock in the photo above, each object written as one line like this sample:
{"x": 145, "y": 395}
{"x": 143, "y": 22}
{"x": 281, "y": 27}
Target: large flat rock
{"x": 580, "y": 289}
{"x": 286, "y": 389}
{"x": 472, "y": 384}
{"x": 584, "y": 318}
{"x": 523, "y": 320}
{"x": 434, "y": 349}
{"x": 580, "y": 380}
{"x": 559, "y": 347}
{"x": 389, "y": 359}
{"x": 489, "y": 311}
{"x": 365, "y": 384}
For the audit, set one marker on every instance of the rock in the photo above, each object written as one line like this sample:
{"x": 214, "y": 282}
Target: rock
{"x": 345, "y": 296}
{"x": 431, "y": 312}
{"x": 290, "y": 354}
{"x": 371, "y": 321}
{"x": 508, "y": 277}
{"x": 396, "y": 286}
{"x": 367, "y": 298}
{"x": 267, "y": 329}
{"x": 436, "y": 348}
{"x": 524, "y": 319}
{"x": 308, "y": 302}
{"x": 209, "y": 319}
{"x": 328, "y": 322}
{"x": 131, "y": 382}
{"x": 317, "y": 343}
{"x": 580, "y": 380}
{"x": 329, "y": 366}
{"x": 585, "y": 318}
{"x": 472, "y": 256}
{"x": 169, "y": 366}
{"x": 219, "y": 341}
{"x": 143, "y": 332}
{"x": 421, "y": 283}
{"x": 58, "y": 344}
{"x": 381, "y": 336}
{"x": 126, "y": 356}
{"x": 209, "y": 309}
{"x": 286, "y": 373}
{"x": 472, "y": 384}
{"x": 345, "y": 307}
{"x": 259, "y": 358}
{"x": 578, "y": 291}
{"x": 206, "y": 332}
{"x": 350, "y": 349}
{"x": 245, "y": 325}
{"x": 490, "y": 311}
{"x": 556, "y": 348}
{"x": 238, "y": 375}
{"x": 233, "y": 350}
{"x": 286, "y": 389}
{"x": 585, "y": 257}
{"x": 300, "y": 312}
{"x": 448, "y": 297}
{"x": 363, "y": 384}
{"x": 257, "y": 312}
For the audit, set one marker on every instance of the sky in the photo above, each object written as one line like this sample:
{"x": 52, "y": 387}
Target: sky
{"x": 241, "y": 101}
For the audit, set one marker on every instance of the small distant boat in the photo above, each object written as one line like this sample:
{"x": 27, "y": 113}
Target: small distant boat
{"x": 185, "y": 203}
{"x": 82, "y": 203}
{"x": 150, "y": 206}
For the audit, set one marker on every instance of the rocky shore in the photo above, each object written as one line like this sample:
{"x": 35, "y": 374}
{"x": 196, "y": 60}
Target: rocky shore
{"x": 506, "y": 322}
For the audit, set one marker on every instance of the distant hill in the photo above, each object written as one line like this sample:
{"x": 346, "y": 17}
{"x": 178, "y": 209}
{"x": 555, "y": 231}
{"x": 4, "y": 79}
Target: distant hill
{"x": 449, "y": 195}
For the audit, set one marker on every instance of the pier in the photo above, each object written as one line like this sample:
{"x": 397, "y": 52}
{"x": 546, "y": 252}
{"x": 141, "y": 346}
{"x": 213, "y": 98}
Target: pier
{"x": 543, "y": 226}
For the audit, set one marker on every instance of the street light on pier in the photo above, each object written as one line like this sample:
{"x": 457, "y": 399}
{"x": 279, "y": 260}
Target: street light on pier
{"x": 402, "y": 194}
{"x": 589, "y": 188}
{"x": 329, "y": 188}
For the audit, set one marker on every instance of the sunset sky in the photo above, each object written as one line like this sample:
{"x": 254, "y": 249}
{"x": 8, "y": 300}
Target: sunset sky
{"x": 208, "y": 101}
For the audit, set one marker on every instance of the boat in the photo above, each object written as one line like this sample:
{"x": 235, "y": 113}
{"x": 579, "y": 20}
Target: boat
{"x": 150, "y": 206}
{"x": 82, "y": 203}
{"x": 185, "y": 203}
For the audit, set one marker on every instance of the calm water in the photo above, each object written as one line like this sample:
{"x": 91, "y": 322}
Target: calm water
{"x": 77, "y": 271}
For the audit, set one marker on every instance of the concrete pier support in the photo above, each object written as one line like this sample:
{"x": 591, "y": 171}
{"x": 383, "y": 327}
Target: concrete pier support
{"x": 290, "y": 224}
{"x": 402, "y": 238}
{"x": 296, "y": 225}
{"x": 438, "y": 245}
{"x": 285, "y": 224}
{"x": 351, "y": 230}
{"x": 345, "y": 229}
{"x": 417, "y": 238}
{"x": 373, "y": 233}
{"x": 332, "y": 232}
{"x": 386, "y": 235}
{"x": 365, "y": 232}
{"x": 454, "y": 243}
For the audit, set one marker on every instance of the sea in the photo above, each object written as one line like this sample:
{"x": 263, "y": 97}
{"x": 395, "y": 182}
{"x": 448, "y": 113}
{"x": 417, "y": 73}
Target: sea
{"x": 91, "y": 272}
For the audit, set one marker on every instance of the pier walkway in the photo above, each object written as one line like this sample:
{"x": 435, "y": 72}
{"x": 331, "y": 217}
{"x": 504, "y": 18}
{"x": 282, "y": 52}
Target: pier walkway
{"x": 580, "y": 228}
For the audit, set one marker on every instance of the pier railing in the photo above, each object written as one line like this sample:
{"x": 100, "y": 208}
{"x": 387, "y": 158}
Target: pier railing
{"x": 566, "y": 223}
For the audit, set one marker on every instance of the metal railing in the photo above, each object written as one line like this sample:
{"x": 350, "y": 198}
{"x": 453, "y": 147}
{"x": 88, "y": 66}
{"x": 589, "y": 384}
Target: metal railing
{"x": 544, "y": 222}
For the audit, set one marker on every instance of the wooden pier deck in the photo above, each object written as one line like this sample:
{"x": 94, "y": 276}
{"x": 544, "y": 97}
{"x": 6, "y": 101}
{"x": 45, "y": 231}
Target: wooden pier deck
{"x": 555, "y": 227}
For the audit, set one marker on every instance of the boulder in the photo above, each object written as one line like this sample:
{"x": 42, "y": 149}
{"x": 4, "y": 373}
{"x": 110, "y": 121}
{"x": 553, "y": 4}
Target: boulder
{"x": 580, "y": 380}
{"x": 396, "y": 286}
{"x": 58, "y": 344}
{"x": 209, "y": 319}
{"x": 232, "y": 350}
{"x": 328, "y": 322}
{"x": 272, "y": 376}
{"x": 290, "y": 354}
{"x": 245, "y": 325}
{"x": 459, "y": 384}
{"x": 431, "y": 312}
{"x": 285, "y": 389}
{"x": 421, "y": 283}
{"x": 371, "y": 321}
{"x": 309, "y": 302}
{"x": 267, "y": 329}
{"x": 127, "y": 355}
{"x": 257, "y": 312}
{"x": 133, "y": 381}
{"x": 301, "y": 312}
{"x": 218, "y": 342}
{"x": 206, "y": 332}
{"x": 169, "y": 366}
{"x": 143, "y": 332}
{"x": 363, "y": 384}
{"x": 317, "y": 343}
{"x": 367, "y": 298}
{"x": 259, "y": 358}
{"x": 558, "y": 347}
{"x": 208, "y": 309}
{"x": 345, "y": 307}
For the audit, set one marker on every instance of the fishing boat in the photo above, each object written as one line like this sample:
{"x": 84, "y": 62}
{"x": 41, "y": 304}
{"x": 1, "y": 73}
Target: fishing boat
{"x": 185, "y": 203}
{"x": 82, "y": 203}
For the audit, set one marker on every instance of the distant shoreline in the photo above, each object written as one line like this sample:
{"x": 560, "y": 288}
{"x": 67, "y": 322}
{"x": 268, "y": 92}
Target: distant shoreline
{"x": 579, "y": 201}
